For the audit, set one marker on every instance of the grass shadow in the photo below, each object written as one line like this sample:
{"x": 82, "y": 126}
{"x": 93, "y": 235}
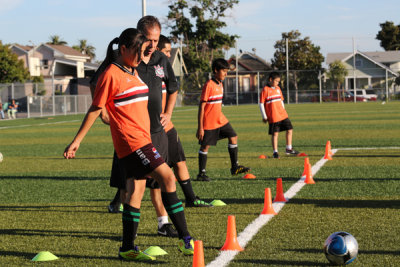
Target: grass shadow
{"x": 371, "y": 252}
{"x": 253, "y": 262}
{"x": 58, "y": 178}
{"x": 348, "y": 203}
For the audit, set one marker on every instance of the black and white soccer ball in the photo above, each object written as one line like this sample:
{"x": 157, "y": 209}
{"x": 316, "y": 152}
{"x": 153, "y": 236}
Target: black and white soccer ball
{"x": 341, "y": 248}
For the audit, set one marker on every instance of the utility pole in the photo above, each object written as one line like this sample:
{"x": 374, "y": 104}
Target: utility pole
{"x": 143, "y": 8}
{"x": 287, "y": 70}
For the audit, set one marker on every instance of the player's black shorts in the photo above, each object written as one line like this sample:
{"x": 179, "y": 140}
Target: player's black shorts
{"x": 211, "y": 137}
{"x": 160, "y": 142}
{"x": 280, "y": 126}
{"x": 136, "y": 165}
{"x": 175, "y": 149}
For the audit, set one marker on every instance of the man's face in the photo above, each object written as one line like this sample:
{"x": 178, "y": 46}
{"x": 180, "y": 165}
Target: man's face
{"x": 153, "y": 35}
{"x": 221, "y": 74}
{"x": 275, "y": 82}
{"x": 167, "y": 50}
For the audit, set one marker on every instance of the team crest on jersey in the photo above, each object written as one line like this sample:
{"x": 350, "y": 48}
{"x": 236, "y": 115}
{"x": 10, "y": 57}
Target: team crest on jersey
{"x": 157, "y": 155}
{"x": 159, "y": 71}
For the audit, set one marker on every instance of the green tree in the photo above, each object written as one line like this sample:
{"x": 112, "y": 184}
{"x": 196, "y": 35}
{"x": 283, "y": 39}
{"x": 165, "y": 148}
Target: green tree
{"x": 337, "y": 74}
{"x": 85, "y": 48}
{"x": 200, "y": 32}
{"x": 303, "y": 55}
{"x": 11, "y": 68}
{"x": 389, "y": 35}
{"x": 56, "y": 40}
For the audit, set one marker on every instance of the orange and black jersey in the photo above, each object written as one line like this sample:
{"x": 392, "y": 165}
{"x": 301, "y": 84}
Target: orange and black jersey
{"x": 125, "y": 96}
{"x": 158, "y": 69}
{"x": 272, "y": 99}
{"x": 212, "y": 94}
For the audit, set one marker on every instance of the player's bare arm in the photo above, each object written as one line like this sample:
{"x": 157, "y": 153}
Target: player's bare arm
{"x": 169, "y": 107}
{"x": 200, "y": 119}
{"x": 87, "y": 123}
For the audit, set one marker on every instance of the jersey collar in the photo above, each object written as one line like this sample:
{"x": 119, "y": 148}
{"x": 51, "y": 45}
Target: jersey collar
{"x": 124, "y": 69}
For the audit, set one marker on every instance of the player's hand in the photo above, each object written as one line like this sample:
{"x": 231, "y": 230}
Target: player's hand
{"x": 70, "y": 150}
{"x": 165, "y": 118}
{"x": 265, "y": 120}
{"x": 104, "y": 116}
{"x": 200, "y": 134}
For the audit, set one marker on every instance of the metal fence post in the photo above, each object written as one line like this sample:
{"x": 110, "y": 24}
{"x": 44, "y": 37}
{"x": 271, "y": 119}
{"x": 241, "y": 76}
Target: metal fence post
{"x": 386, "y": 85}
{"x": 41, "y": 106}
{"x": 76, "y": 104}
{"x": 27, "y": 106}
{"x": 258, "y": 86}
{"x": 320, "y": 86}
{"x": 65, "y": 105}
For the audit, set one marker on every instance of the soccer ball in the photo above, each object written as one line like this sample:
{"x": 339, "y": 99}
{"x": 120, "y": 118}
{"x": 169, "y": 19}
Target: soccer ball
{"x": 1, "y": 157}
{"x": 341, "y": 248}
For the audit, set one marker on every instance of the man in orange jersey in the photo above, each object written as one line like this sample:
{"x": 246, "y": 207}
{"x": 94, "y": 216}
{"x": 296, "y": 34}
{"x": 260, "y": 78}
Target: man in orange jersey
{"x": 212, "y": 123}
{"x": 273, "y": 111}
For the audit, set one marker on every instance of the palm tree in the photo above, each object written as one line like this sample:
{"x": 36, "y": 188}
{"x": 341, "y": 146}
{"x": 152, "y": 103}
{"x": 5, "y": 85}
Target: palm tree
{"x": 337, "y": 74}
{"x": 85, "y": 49}
{"x": 56, "y": 40}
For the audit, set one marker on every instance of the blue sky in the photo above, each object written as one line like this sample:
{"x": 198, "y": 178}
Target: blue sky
{"x": 259, "y": 23}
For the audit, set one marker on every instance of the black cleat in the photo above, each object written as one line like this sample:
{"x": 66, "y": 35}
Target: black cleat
{"x": 167, "y": 230}
{"x": 292, "y": 152}
{"x": 275, "y": 155}
{"x": 203, "y": 177}
{"x": 239, "y": 169}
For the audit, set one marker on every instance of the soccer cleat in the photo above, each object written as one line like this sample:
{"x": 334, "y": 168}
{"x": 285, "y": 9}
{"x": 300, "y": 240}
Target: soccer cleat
{"x": 167, "y": 230}
{"x": 134, "y": 255}
{"x": 239, "y": 169}
{"x": 198, "y": 203}
{"x": 275, "y": 155}
{"x": 203, "y": 177}
{"x": 292, "y": 152}
{"x": 115, "y": 208}
{"x": 186, "y": 245}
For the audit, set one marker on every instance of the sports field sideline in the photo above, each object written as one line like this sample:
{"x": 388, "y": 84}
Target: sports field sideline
{"x": 48, "y": 203}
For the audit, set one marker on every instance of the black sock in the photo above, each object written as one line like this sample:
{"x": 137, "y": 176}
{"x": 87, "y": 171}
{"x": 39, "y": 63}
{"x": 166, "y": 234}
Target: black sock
{"x": 175, "y": 211}
{"x": 233, "y": 153}
{"x": 188, "y": 190}
{"x": 130, "y": 223}
{"x": 116, "y": 199}
{"x": 202, "y": 161}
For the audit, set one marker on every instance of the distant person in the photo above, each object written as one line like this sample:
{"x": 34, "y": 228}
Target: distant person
{"x": 176, "y": 154}
{"x": 1, "y": 111}
{"x": 212, "y": 123}
{"x": 273, "y": 111}
{"x": 125, "y": 96}
{"x": 12, "y": 109}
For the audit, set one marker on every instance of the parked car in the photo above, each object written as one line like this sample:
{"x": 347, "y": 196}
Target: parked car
{"x": 368, "y": 94}
{"x": 332, "y": 96}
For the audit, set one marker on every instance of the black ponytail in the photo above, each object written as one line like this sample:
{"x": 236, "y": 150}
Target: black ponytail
{"x": 111, "y": 55}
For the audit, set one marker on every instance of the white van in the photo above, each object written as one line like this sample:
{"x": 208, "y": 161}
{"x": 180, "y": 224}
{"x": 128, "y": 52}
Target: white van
{"x": 368, "y": 94}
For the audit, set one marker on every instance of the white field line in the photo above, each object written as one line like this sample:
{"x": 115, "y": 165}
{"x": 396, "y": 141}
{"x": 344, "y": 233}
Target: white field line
{"x": 368, "y": 148}
{"x": 41, "y": 124}
{"x": 225, "y": 257}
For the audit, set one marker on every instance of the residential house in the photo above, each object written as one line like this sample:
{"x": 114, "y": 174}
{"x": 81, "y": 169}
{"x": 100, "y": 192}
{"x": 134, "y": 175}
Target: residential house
{"x": 371, "y": 68}
{"x": 251, "y": 68}
{"x": 63, "y": 68}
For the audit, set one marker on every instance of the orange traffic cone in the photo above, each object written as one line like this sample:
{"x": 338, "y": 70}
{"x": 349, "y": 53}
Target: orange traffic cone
{"x": 262, "y": 157}
{"x": 306, "y": 162}
{"x": 328, "y": 151}
{"x": 268, "y": 209}
{"x": 249, "y": 176}
{"x": 231, "y": 242}
{"x": 198, "y": 256}
{"x": 279, "y": 197}
{"x": 309, "y": 179}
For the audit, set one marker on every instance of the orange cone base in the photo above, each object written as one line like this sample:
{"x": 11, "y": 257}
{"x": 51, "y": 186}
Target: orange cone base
{"x": 231, "y": 246}
{"x": 249, "y": 176}
{"x": 262, "y": 157}
{"x": 198, "y": 256}
{"x": 328, "y": 157}
{"x": 302, "y": 155}
{"x": 231, "y": 242}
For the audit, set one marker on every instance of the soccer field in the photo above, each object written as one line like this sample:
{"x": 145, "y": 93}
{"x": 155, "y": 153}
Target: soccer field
{"x": 51, "y": 204}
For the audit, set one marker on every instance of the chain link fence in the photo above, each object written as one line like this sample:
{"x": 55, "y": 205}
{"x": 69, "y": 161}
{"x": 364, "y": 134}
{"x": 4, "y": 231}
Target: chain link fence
{"x": 305, "y": 86}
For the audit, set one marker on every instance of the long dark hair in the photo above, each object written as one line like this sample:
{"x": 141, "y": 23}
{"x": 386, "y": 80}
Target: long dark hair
{"x": 130, "y": 37}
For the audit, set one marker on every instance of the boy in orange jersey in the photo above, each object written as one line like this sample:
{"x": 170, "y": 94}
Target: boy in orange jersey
{"x": 212, "y": 123}
{"x": 273, "y": 111}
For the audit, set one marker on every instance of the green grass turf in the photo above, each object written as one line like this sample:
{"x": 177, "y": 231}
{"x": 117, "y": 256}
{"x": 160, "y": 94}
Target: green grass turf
{"x": 49, "y": 203}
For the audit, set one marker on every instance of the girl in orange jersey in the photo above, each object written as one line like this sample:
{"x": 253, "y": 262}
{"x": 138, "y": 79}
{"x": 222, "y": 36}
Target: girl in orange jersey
{"x": 125, "y": 96}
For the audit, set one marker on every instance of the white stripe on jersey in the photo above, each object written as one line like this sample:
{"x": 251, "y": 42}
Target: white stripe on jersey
{"x": 214, "y": 102}
{"x": 275, "y": 100}
{"x": 164, "y": 91}
{"x": 215, "y": 96}
{"x": 124, "y": 103}
{"x": 133, "y": 89}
